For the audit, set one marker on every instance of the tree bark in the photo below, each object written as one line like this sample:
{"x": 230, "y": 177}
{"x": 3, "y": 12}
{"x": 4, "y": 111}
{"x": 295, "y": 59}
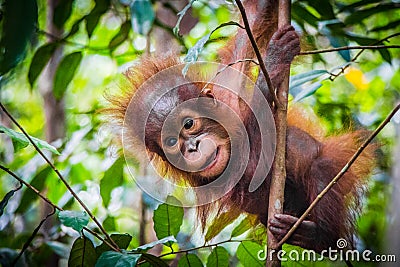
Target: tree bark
{"x": 277, "y": 189}
{"x": 54, "y": 109}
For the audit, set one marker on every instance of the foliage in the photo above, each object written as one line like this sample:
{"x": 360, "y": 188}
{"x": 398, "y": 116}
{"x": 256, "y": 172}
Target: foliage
{"x": 101, "y": 36}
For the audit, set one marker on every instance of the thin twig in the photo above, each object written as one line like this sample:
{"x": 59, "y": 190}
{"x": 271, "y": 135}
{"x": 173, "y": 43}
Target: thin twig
{"x": 347, "y": 48}
{"x": 60, "y": 176}
{"x": 31, "y": 237}
{"x": 278, "y": 179}
{"x": 257, "y": 52}
{"x": 52, "y": 204}
{"x": 339, "y": 175}
{"x": 30, "y": 187}
{"x": 201, "y": 247}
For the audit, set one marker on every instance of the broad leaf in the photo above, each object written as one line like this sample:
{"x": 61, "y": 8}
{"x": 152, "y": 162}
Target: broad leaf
{"x": 117, "y": 259}
{"x": 65, "y": 72}
{"x": 122, "y": 240}
{"x": 248, "y": 254}
{"x": 142, "y": 16}
{"x": 220, "y": 223}
{"x": 219, "y": 257}
{"x": 359, "y": 15}
{"x": 82, "y": 253}
{"x": 121, "y": 36}
{"x": 190, "y": 260}
{"x": 112, "y": 178}
{"x": 309, "y": 90}
{"x": 38, "y": 182}
{"x": 75, "y": 28}
{"x": 21, "y": 141}
{"x": 75, "y": 219}
{"x": 18, "y": 21}
{"x": 59, "y": 248}
{"x": 153, "y": 260}
{"x": 352, "y": 6}
{"x": 62, "y": 12}
{"x": 4, "y": 201}
{"x": 300, "y": 79}
{"x": 300, "y": 13}
{"x": 145, "y": 247}
{"x": 168, "y": 218}
{"x": 94, "y": 16}
{"x": 246, "y": 224}
{"x": 109, "y": 224}
{"x": 388, "y": 26}
{"x": 324, "y": 8}
{"x": 39, "y": 61}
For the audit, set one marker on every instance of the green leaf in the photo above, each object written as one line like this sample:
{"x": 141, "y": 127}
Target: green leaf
{"x": 65, "y": 72}
{"x": 117, "y": 259}
{"x": 112, "y": 178}
{"x": 39, "y": 61}
{"x": 82, "y": 253}
{"x": 29, "y": 196}
{"x": 21, "y": 141}
{"x": 153, "y": 260}
{"x": 142, "y": 16}
{"x": 18, "y": 22}
{"x": 385, "y": 54}
{"x": 220, "y": 223}
{"x": 168, "y": 218}
{"x": 121, "y": 36}
{"x": 59, "y": 248}
{"x": 145, "y": 247}
{"x": 94, "y": 16}
{"x": 246, "y": 224}
{"x": 219, "y": 257}
{"x": 190, "y": 260}
{"x": 300, "y": 79}
{"x": 109, "y": 224}
{"x": 309, "y": 90}
{"x": 62, "y": 12}
{"x": 4, "y": 201}
{"x": 324, "y": 8}
{"x": 339, "y": 41}
{"x": 352, "y": 6}
{"x": 358, "y": 16}
{"x": 248, "y": 252}
{"x": 75, "y": 27}
{"x": 388, "y": 26}
{"x": 122, "y": 240}
{"x": 75, "y": 219}
{"x": 300, "y": 13}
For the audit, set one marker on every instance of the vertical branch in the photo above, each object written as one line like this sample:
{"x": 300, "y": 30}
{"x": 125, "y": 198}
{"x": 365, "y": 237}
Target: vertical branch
{"x": 276, "y": 196}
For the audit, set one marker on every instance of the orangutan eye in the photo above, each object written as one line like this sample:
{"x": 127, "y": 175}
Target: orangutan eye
{"x": 188, "y": 123}
{"x": 171, "y": 141}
